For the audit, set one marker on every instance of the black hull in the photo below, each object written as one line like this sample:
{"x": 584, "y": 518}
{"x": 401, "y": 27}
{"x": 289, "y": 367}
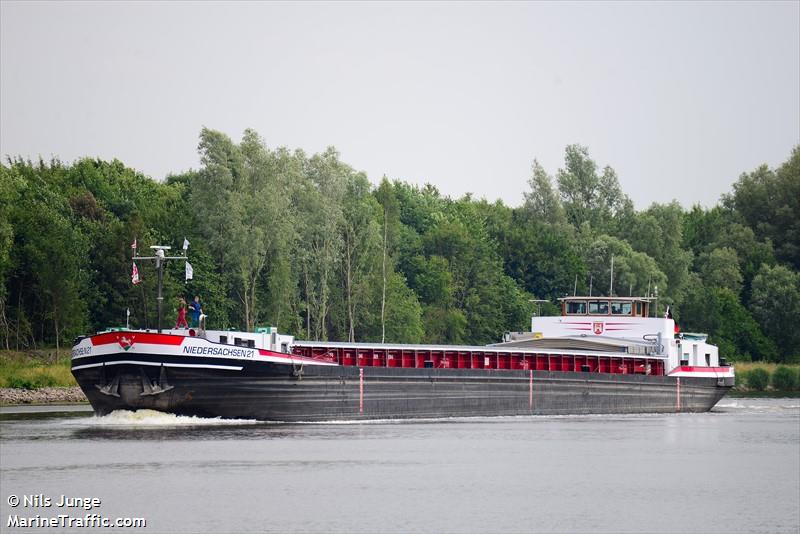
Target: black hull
{"x": 285, "y": 392}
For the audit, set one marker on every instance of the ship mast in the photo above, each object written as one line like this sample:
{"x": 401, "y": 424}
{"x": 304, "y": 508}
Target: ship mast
{"x": 160, "y": 258}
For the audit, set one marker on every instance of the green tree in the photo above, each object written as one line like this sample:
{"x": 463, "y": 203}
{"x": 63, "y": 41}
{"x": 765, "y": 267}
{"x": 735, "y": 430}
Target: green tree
{"x": 720, "y": 268}
{"x": 49, "y": 254}
{"x": 361, "y": 245}
{"x": 634, "y": 272}
{"x": 9, "y": 186}
{"x": 403, "y": 313}
{"x": 658, "y": 232}
{"x": 586, "y": 195}
{"x": 544, "y": 259}
{"x": 305, "y": 243}
{"x": 776, "y": 305}
{"x": 433, "y": 282}
{"x": 542, "y": 202}
{"x": 480, "y": 289}
{"x": 240, "y": 196}
{"x": 750, "y": 252}
{"x": 389, "y": 205}
{"x": 768, "y": 202}
{"x": 703, "y": 227}
{"x": 213, "y": 205}
{"x": 320, "y": 248}
{"x": 729, "y": 325}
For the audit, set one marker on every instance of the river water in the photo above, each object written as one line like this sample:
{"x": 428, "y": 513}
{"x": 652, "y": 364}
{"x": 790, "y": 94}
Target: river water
{"x": 735, "y": 469}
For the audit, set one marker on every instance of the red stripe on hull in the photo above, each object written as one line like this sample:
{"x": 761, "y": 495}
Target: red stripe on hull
{"x": 136, "y": 337}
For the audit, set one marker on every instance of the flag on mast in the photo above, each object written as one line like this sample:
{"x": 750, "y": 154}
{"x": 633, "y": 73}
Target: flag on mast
{"x": 185, "y": 244}
{"x": 189, "y": 271}
{"x": 135, "y": 274}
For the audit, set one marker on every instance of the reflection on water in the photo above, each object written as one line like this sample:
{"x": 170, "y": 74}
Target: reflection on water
{"x": 736, "y": 469}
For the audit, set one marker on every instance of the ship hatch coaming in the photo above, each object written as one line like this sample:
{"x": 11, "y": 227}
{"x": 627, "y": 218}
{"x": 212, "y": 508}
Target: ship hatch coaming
{"x": 489, "y": 358}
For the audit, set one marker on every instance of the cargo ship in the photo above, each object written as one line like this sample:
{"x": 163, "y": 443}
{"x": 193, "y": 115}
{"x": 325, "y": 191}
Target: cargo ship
{"x": 600, "y": 355}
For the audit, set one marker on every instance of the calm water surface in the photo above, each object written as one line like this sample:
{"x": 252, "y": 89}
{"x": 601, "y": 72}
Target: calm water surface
{"x": 736, "y": 469}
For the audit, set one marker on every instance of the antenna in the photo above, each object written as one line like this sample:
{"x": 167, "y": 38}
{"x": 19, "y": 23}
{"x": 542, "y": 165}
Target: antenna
{"x": 538, "y": 313}
{"x": 160, "y": 257}
{"x": 538, "y": 303}
{"x": 655, "y": 290}
{"x": 611, "y": 289}
{"x": 591, "y": 279}
{"x": 575, "y": 288}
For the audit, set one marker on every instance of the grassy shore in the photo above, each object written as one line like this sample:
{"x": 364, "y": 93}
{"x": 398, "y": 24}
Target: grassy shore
{"x": 746, "y": 367}
{"x": 744, "y": 386}
{"x": 35, "y": 369}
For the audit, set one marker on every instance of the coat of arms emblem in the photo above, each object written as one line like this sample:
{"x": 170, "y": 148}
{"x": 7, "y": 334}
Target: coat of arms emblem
{"x": 598, "y": 328}
{"x": 125, "y": 342}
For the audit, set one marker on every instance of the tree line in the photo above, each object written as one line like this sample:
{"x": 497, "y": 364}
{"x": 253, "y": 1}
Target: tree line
{"x": 306, "y": 243}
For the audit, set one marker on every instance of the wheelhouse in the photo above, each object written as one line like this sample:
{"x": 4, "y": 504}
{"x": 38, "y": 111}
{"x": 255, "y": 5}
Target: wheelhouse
{"x": 605, "y": 306}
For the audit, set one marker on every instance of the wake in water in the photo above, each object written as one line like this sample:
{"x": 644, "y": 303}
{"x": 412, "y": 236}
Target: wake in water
{"x": 749, "y": 404}
{"x": 155, "y": 419}
{"x": 152, "y": 418}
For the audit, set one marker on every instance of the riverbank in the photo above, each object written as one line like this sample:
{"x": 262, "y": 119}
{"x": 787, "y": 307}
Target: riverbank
{"x": 37, "y": 377}
{"x": 760, "y": 379}
{"x": 47, "y": 395}
{"x": 36, "y": 369}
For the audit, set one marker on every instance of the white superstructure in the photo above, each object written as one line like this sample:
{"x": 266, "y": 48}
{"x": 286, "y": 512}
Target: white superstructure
{"x": 626, "y": 322}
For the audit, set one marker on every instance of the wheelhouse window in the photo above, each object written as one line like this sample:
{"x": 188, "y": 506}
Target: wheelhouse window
{"x": 576, "y": 308}
{"x": 598, "y": 307}
{"x": 621, "y": 308}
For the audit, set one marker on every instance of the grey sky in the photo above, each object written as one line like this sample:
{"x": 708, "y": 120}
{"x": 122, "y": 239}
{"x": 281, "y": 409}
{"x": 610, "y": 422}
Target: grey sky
{"x": 679, "y": 98}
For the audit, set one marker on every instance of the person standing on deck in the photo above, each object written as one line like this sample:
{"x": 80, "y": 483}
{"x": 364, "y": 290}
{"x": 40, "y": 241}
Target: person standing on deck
{"x": 181, "y": 323}
{"x": 196, "y": 310}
